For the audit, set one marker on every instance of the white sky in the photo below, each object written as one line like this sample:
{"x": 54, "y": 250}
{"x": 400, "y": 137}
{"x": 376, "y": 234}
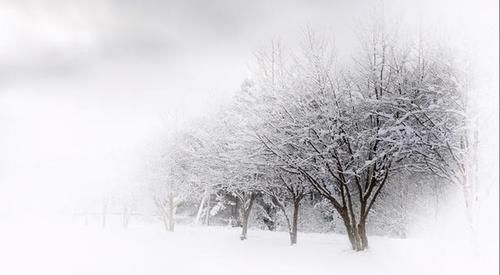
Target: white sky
{"x": 84, "y": 85}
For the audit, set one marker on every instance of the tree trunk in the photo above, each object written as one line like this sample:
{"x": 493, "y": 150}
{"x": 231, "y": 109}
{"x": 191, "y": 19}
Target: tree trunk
{"x": 207, "y": 215}
{"x": 171, "y": 224}
{"x": 126, "y": 217}
{"x": 294, "y": 225}
{"x": 247, "y": 207}
{"x": 362, "y": 233}
{"x": 350, "y": 234}
{"x": 165, "y": 221}
{"x": 244, "y": 229}
{"x": 200, "y": 209}
{"x": 356, "y": 233}
{"x": 171, "y": 213}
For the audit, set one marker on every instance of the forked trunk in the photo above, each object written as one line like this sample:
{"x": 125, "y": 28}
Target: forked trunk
{"x": 356, "y": 233}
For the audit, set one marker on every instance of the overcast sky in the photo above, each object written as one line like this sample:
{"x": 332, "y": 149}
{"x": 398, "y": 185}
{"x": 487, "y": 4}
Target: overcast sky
{"x": 85, "y": 85}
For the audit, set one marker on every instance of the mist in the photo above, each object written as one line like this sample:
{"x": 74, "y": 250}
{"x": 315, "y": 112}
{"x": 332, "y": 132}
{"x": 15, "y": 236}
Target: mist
{"x": 89, "y": 89}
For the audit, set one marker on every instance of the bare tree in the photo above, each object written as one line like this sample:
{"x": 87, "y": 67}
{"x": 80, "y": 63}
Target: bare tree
{"x": 287, "y": 190}
{"x": 170, "y": 184}
{"x": 230, "y": 160}
{"x": 347, "y": 132}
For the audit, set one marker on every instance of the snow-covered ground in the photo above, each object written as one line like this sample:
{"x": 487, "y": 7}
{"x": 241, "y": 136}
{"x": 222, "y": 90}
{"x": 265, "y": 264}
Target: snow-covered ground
{"x": 148, "y": 250}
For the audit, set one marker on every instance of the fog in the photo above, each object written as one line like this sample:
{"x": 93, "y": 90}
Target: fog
{"x": 94, "y": 93}
{"x": 87, "y": 85}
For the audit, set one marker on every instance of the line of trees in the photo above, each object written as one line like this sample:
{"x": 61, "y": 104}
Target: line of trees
{"x": 306, "y": 124}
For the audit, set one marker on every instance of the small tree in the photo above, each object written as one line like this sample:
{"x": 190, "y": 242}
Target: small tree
{"x": 229, "y": 158}
{"x": 287, "y": 190}
{"x": 170, "y": 184}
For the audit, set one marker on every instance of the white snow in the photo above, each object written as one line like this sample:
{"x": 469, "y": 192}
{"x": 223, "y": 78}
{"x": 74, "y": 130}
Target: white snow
{"x": 148, "y": 249}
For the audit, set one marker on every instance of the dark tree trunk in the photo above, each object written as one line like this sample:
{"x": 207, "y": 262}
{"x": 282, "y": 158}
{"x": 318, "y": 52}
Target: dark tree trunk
{"x": 350, "y": 232}
{"x": 355, "y": 232}
{"x": 294, "y": 225}
{"x": 362, "y": 233}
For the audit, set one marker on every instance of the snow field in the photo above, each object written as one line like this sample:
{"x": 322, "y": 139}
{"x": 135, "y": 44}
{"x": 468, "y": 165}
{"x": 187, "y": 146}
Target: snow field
{"x": 148, "y": 249}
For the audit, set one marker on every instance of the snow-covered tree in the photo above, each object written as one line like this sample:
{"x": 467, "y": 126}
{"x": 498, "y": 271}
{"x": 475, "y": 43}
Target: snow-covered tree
{"x": 227, "y": 165}
{"x": 448, "y": 145}
{"x": 346, "y": 132}
{"x": 170, "y": 184}
{"x": 287, "y": 189}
